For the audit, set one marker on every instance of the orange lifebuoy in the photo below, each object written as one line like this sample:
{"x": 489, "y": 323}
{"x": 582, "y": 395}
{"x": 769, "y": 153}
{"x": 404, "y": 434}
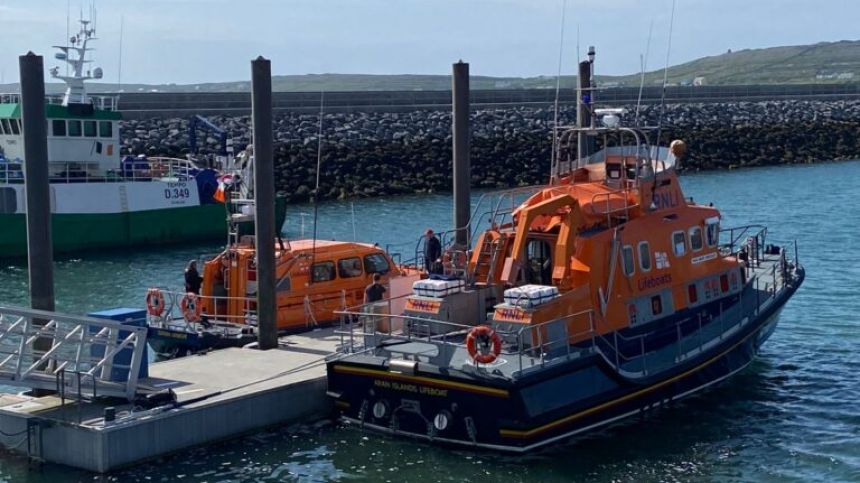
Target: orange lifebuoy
{"x": 154, "y": 302}
{"x": 190, "y": 306}
{"x": 484, "y": 335}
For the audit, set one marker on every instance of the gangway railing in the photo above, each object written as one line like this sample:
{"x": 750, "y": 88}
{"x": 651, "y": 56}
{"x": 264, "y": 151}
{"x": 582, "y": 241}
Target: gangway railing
{"x": 38, "y": 347}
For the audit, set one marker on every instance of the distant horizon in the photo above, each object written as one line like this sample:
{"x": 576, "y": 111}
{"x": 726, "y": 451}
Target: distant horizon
{"x": 189, "y": 42}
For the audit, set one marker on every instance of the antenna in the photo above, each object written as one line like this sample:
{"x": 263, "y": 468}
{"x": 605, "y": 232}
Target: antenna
{"x": 643, "y": 61}
{"x": 68, "y": 27}
{"x": 119, "y": 63}
{"x": 665, "y": 79}
{"x": 553, "y": 152}
{"x": 352, "y": 207}
{"x": 317, "y": 188}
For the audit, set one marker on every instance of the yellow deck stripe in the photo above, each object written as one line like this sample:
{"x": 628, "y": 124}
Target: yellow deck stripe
{"x": 424, "y": 380}
{"x": 516, "y": 433}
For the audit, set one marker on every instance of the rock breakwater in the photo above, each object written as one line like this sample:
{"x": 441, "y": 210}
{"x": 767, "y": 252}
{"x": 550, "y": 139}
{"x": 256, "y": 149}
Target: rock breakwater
{"x": 383, "y": 153}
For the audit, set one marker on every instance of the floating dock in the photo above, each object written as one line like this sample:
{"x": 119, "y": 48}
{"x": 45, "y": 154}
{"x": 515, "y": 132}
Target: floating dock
{"x": 220, "y": 395}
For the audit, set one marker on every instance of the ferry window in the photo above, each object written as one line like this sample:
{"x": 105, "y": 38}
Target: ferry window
{"x": 90, "y": 129}
{"x": 105, "y": 129}
{"x": 724, "y": 283}
{"x": 323, "y": 271}
{"x": 695, "y": 238}
{"x": 679, "y": 243}
{"x": 713, "y": 234}
{"x": 15, "y": 127}
{"x": 59, "y": 127}
{"x": 627, "y": 257}
{"x": 693, "y": 293}
{"x": 644, "y": 257}
{"x": 75, "y": 128}
{"x": 656, "y": 305}
{"x": 376, "y": 263}
{"x": 8, "y": 201}
{"x": 349, "y": 267}
{"x": 283, "y": 285}
{"x": 4, "y": 127}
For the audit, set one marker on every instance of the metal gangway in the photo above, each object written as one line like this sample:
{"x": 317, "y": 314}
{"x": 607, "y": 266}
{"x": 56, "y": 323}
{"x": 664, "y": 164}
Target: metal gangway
{"x": 73, "y": 355}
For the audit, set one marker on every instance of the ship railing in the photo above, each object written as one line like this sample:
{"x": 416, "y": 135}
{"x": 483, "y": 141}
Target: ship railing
{"x": 214, "y": 308}
{"x": 632, "y": 356}
{"x": 380, "y": 327}
{"x": 38, "y": 348}
{"x": 549, "y": 341}
{"x": 750, "y": 237}
{"x": 158, "y": 168}
{"x": 102, "y": 102}
{"x": 609, "y": 211}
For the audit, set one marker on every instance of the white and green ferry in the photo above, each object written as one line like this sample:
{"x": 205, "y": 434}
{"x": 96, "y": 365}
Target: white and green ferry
{"x": 98, "y": 198}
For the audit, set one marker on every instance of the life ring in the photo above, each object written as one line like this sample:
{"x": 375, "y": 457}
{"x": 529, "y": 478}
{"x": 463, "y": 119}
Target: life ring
{"x": 190, "y": 306}
{"x": 154, "y": 302}
{"x": 484, "y": 335}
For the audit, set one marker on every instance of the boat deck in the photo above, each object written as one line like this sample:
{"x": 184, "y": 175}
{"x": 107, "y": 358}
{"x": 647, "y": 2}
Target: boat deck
{"x": 765, "y": 280}
{"x": 220, "y": 394}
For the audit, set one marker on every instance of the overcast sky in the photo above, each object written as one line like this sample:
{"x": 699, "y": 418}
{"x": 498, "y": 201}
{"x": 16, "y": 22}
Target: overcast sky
{"x": 190, "y": 41}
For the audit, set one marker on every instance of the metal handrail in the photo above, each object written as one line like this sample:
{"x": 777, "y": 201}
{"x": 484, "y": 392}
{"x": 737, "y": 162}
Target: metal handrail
{"x": 173, "y": 320}
{"x": 85, "y": 345}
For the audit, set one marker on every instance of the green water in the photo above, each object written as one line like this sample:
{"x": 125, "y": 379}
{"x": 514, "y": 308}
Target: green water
{"x": 792, "y": 416}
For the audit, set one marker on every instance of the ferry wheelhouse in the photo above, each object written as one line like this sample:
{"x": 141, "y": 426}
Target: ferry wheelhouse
{"x": 605, "y": 293}
{"x": 99, "y": 199}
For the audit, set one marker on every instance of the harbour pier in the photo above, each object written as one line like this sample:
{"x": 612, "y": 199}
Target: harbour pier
{"x": 204, "y": 398}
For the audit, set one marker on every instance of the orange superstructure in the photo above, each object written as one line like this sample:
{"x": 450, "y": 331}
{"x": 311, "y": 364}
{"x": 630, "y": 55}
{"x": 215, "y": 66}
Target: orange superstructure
{"x": 617, "y": 237}
{"x": 314, "y": 279}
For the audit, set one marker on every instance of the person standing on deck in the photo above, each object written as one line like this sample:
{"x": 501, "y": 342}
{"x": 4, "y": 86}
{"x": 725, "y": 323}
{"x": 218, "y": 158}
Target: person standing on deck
{"x": 432, "y": 252}
{"x": 375, "y": 291}
{"x": 193, "y": 280}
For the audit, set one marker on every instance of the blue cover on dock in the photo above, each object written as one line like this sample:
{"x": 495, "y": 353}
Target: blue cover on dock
{"x": 127, "y": 316}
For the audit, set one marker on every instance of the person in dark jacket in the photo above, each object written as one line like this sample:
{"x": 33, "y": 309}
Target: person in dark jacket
{"x": 432, "y": 252}
{"x": 375, "y": 291}
{"x": 193, "y": 280}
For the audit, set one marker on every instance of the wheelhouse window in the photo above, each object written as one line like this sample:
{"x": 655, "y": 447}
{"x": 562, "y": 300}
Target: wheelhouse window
{"x": 323, "y": 271}
{"x": 656, "y": 305}
{"x": 105, "y": 129}
{"x": 8, "y": 201}
{"x": 376, "y": 263}
{"x": 90, "y": 129}
{"x": 696, "y": 238}
{"x": 4, "y": 127}
{"x": 693, "y": 293}
{"x": 627, "y": 259}
{"x": 349, "y": 267}
{"x": 679, "y": 243}
{"x": 644, "y": 257}
{"x": 283, "y": 285}
{"x": 58, "y": 127}
{"x": 75, "y": 129}
{"x": 16, "y": 128}
{"x": 712, "y": 231}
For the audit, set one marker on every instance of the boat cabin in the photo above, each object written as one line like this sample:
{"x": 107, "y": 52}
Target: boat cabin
{"x": 314, "y": 279}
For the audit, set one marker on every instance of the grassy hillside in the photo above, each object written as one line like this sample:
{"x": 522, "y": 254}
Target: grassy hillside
{"x": 826, "y": 62}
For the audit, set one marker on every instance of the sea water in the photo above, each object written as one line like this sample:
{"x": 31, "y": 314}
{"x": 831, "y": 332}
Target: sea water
{"x": 793, "y": 415}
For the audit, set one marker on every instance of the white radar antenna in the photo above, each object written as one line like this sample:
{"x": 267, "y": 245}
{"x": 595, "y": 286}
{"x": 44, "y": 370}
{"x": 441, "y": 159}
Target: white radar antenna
{"x": 75, "y": 54}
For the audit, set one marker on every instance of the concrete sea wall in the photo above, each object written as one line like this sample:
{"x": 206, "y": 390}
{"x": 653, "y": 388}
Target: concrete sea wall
{"x": 379, "y": 153}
